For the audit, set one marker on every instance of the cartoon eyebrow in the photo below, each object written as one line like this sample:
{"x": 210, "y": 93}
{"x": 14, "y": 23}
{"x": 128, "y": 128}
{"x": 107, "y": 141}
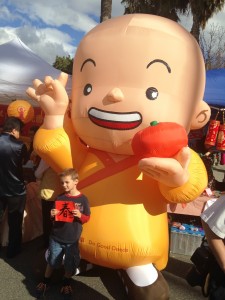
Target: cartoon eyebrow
{"x": 159, "y": 61}
{"x": 86, "y": 61}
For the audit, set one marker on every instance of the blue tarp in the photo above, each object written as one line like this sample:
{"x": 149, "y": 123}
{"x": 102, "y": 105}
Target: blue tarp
{"x": 215, "y": 87}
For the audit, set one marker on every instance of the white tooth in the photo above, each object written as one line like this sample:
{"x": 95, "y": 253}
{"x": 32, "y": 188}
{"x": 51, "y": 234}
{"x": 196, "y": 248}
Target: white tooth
{"x": 114, "y": 117}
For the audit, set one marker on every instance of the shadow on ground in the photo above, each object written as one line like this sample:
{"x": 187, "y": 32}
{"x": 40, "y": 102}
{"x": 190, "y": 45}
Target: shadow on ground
{"x": 98, "y": 283}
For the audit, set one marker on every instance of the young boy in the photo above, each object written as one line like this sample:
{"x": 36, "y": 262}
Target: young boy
{"x": 70, "y": 211}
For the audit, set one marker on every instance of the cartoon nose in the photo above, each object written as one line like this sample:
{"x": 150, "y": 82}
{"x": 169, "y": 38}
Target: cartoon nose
{"x": 115, "y": 95}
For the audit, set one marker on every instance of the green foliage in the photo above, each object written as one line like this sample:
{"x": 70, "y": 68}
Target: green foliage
{"x": 201, "y": 10}
{"x": 65, "y": 64}
{"x": 168, "y": 9}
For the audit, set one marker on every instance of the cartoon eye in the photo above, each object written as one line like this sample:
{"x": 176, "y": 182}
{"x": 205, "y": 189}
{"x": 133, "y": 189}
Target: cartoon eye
{"x": 87, "y": 89}
{"x": 152, "y": 93}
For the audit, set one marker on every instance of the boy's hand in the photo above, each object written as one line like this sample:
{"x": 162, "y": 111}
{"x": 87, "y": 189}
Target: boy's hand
{"x": 76, "y": 213}
{"x": 54, "y": 212}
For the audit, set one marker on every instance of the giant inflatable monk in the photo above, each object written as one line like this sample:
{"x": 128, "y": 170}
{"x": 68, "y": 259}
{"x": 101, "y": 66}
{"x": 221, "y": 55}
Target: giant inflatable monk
{"x": 129, "y": 72}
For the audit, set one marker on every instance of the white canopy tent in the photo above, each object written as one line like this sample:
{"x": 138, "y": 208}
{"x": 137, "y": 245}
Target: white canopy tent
{"x": 19, "y": 66}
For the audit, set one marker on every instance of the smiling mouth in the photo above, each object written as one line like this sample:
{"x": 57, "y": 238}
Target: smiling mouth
{"x": 112, "y": 120}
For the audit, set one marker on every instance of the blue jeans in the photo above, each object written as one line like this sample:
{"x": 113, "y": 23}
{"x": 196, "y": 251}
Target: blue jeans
{"x": 70, "y": 252}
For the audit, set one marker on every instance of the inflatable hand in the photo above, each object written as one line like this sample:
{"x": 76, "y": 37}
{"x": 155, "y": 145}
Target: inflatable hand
{"x": 172, "y": 172}
{"x": 52, "y": 97}
{"x": 159, "y": 140}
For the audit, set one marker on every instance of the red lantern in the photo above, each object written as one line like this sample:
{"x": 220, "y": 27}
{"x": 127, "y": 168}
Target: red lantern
{"x": 220, "y": 144}
{"x": 211, "y": 135}
{"x": 21, "y": 109}
{"x": 222, "y": 160}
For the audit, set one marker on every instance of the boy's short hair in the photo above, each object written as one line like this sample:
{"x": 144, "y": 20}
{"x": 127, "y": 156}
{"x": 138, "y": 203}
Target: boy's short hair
{"x": 69, "y": 172}
{"x": 12, "y": 123}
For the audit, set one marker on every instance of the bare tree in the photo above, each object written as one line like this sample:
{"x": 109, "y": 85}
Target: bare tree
{"x": 212, "y": 43}
{"x": 106, "y": 10}
{"x": 202, "y": 11}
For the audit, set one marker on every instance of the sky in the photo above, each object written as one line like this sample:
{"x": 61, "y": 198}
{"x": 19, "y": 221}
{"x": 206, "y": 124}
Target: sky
{"x": 52, "y": 27}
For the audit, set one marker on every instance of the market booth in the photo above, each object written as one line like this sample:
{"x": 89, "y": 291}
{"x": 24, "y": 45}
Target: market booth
{"x": 19, "y": 66}
{"x": 186, "y": 234}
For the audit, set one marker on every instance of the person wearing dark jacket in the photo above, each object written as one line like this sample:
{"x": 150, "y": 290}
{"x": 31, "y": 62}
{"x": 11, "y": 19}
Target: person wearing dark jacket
{"x": 13, "y": 154}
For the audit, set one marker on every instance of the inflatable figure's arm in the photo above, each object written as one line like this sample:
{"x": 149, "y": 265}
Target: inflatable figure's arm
{"x": 181, "y": 179}
{"x": 193, "y": 188}
{"x": 60, "y": 147}
{"x": 56, "y": 141}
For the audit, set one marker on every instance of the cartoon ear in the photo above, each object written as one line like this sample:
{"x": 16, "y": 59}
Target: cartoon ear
{"x": 201, "y": 116}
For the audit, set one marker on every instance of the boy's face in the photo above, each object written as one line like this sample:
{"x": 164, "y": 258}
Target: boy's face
{"x": 68, "y": 183}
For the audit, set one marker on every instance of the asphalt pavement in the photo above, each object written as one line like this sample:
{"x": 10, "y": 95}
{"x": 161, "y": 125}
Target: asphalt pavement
{"x": 20, "y": 275}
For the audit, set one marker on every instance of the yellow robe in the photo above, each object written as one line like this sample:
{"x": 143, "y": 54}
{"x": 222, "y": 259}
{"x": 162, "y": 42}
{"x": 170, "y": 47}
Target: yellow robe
{"x": 128, "y": 224}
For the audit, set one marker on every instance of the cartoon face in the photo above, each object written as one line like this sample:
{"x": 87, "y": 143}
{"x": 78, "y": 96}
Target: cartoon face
{"x": 130, "y": 71}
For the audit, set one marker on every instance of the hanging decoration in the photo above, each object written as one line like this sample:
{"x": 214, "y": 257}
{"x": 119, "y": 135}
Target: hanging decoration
{"x": 212, "y": 132}
{"x": 21, "y": 109}
{"x": 220, "y": 144}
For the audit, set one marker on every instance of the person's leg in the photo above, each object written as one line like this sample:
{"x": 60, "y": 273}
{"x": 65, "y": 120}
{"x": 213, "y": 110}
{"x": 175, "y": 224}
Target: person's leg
{"x": 216, "y": 244}
{"x": 72, "y": 259}
{"x": 16, "y": 206}
{"x": 216, "y": 284}
{"x": 46, "y": 220}
{"x": 2, "y": 212}
{"x": 71, "y": 262}
{"x": 54, "y": 260}
{"x": 3, "y": 203}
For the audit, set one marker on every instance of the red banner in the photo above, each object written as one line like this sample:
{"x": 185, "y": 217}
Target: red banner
{"x": 65, "y": 211}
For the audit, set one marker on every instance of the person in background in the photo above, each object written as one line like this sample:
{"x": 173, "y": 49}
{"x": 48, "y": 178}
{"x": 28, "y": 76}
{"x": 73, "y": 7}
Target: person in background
{"x": 49, "y": 187}
{"x": 32, "y": 131}
{"x": 70, "y": 211}
{"x": 213, "y": 221}
{"x": 13, "y": 154}
{"x": 32, "y": 155}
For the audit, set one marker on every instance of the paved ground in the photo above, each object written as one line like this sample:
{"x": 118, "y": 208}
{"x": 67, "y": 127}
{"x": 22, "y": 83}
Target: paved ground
{"x": 19, "y": 276}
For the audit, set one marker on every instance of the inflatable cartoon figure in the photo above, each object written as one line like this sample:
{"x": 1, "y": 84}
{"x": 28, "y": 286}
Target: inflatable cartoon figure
{"x": 128, "y": 72}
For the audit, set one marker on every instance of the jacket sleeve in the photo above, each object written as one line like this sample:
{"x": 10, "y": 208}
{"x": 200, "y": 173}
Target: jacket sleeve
{"x": 84, "y": 218}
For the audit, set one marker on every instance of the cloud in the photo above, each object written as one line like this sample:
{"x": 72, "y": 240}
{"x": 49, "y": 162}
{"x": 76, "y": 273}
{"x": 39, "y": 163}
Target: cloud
{"x": 47, "y": 43}
{"x": 50, "y": 27}
{"x": 54, "y": 27}
{"x": 76, "y": 14}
